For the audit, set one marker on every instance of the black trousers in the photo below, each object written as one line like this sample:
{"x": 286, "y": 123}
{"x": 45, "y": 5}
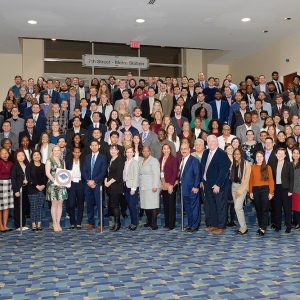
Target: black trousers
{"x": 169, "y": 201}
{"x": 297, "y": 217}
{"x": 151, "y": 218}
{"x": 114, "y": 202}
{"x": 25, "y": 208}
{"x": 75, "y": 196}
{"x": 262, "y": 205}
{"x": 281, "y": 200}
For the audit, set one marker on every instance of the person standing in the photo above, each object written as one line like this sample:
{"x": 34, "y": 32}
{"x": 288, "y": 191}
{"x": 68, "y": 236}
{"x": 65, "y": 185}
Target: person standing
{"x": 189, "y": 179}
{"x": 215, "y": 166}
{"x": 54, "y": 193}
{"x": 94, "y": 170}
{"x": 114, "y": 185}
{"x": 19, "y": 185}
{"x": 168, "y": 175}
{"x": 149, "y": 183}
{"x": 296, "y": 188}
{"x": 131, "y": 183}
{"x": 6, "y": 191}
{"x": 283, "y": 174}
{"x": 37, "y": 180}
{"x": 75, "y": 192}
{"x": 261, "y": 189}
{"x": 239, "y": 176}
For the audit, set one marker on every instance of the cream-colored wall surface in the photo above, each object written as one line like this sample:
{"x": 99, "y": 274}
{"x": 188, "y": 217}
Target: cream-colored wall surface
{"x": 270, "y": 59}
{"x": 193, "y": 62}
{"x": 33, "y": 58}
{"x": 11, "y": 65}
{"x": 216, "y": 70}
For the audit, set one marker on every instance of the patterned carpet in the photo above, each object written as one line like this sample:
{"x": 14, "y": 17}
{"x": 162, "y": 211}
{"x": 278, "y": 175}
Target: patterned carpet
{"x": 149, "y": 265}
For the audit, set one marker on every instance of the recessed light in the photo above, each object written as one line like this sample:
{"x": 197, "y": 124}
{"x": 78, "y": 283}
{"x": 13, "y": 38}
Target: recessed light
{"x": 140, "y": 20}
{"x": 32, "y": 22}
{"x": 287, "y": 19}
{"x": 246, "y": 19}
{"x": 53, "y": 40}
{"x": 265, "y": 31}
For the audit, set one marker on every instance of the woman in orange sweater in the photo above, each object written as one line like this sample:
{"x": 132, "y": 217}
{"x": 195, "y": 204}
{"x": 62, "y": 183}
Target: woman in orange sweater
{"x": 261, "y": 189}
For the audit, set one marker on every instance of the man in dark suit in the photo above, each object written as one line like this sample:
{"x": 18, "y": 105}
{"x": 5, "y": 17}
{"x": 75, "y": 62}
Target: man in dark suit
{"x": 148, "y": 138}
{"x": 277, "y": 83}
{"x": 189, "y": 177}
{"x": 201, "y": 81}
{"x": 31, "y": 132}
{"x": 85, "y": 113}
{"x": 54, "y": 95}
{"x": 215, "y": 166}
{"x": 82, "y": 91}
{"x": 76, "y": 129}
{"x": 279, "y": 107}
{"x": 220, "y": 108}
{"x": 210, "y": 91}
{"x": 178, "y": 119}
{"x": 118, "y": 92}
{"x": 46, "y": 107}
{"x": 94, "y": 170}
{"x": 96, "y": 124}
{"x": 40, "y": 121}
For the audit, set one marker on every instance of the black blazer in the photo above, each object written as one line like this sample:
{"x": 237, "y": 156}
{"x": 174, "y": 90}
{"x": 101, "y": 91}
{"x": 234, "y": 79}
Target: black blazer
{"x": 70, "y": 134}
{"x": 287, "y": 174}
{"x": 35, "y": 137}
{"x": 17, "y": 177}
{"x": 115, "y": 171}
{"x": 69, "y": 163}
{"x": 118, "y": 95}
{"x": 145, "y": 108}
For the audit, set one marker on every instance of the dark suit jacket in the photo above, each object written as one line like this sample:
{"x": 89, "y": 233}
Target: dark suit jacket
{"x": 86, "y": 121}
{"x": 115, "y": 171}
{"x": 224, "y": 111}
{"x": 218, "y": 169}
{"x": 99, "y": 169}
{"x": 287, "y": 174}
{"x": 237, "y": 120}
{"x": 41, "y": 123}
{"x": 55, "y": 98}
{"x": 17, "y": 177}
{"x": 70, "y": 134}
{"x": 118, "y": 95}
{"x": 170, "y": 169}
{"x": 276, "y": 112}
{"x": 24, "y": 110}
{"x": 178, "y": 128}
{"x": 90, "y": 129}
{"x": 69, "y": 164}
{"x": 145, "y": 107}
{"x": 190, "y": 177}
{"x": 35, "y": 137}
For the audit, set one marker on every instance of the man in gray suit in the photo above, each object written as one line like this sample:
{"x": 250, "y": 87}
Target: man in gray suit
{"x": 46, "y": 107}
{"x": 17, "y": 124}
{"x": 165, "y": 99}
{"x": 201, "y": 103}
{"x": 7, "y": 133}
{"x": 242, "y": 129}
{"x": 162, "y": 140}
{"x": 130, "y": 103}
{"x": 148, "y": 137}
{"x": 295, "y": 109}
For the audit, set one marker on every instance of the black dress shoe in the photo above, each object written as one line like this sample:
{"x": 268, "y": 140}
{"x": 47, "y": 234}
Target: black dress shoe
{"x": 261, "y": 232}
{"x": 154, "y": 228}
{"x": 132, "y": 227}
{"x": 39, "y": 229}
{"x": 194, "y": 229}
{"x": 288, "y": 230}
{"x": 188, "y": 229}
{"x": 273, "y": 226}
{"x": 277, "y": 229}
{"x": 146, "y": 225}
{"x": 34, "y": 229}
{"x": 72, "y": 227}
{"x": 78, "y": 227}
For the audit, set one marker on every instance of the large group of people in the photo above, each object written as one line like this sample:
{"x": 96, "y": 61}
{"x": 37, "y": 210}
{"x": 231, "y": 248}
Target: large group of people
{"x": 132, "y": 146}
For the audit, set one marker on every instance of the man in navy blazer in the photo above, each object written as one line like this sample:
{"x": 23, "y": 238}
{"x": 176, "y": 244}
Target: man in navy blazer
{"x": 54, "y": 95}
{"x": 220, "y": 108}
{"x": 189, "y": 177}
{"x": 215, "y": 166}
{"x": 94, "y": 170}
{"x": 40, "y": 121}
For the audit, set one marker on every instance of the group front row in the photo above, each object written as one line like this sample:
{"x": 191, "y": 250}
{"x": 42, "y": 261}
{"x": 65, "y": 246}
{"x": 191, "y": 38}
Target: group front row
{"x": 207, "y": 178}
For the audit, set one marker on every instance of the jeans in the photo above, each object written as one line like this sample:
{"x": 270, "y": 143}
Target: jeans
{"x": 132, "y": 201}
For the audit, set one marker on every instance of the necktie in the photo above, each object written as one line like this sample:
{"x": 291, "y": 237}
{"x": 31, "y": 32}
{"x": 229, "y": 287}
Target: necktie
{"x": 144, "y": 137}
{"x": 46, "y": 106}
{"x": 93, "y": 164}
{"x": 210, "y": 156}
{"x": 279, "y": 110}
{"x": 181, "y": 168}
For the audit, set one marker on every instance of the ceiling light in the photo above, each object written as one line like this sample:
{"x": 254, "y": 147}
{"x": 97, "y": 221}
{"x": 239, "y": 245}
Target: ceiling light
{"x": 265, "y": 31}
{"x": 32, "y": 22}
{"x": 53, "y": 40}
{"x": 287, "y": 19}
{"x": 140, "y": 20}
{"x": 246, "y": 19}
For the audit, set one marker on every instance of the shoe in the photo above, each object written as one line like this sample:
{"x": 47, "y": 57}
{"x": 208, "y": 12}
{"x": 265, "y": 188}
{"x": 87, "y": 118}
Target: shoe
{"x": 171, "y": 228}
{"x": 100, "y": 228}
{"x": 78, "y": 227}
{"x": 297, "y": 227}
{"x": 8, "y": 229}
{"x": 188, "y": 229}
{"x": 276, "y": 229}
{"x": 39, "y": 229}
{"x": 23, "y": 228}
{"x": 146, "y": 225}
{"x": 273, "y": 226}
{"x": 210, "y": 228}
{"x": 132, "y": 227}
{"x": 194, "y": 229}
{"x": 90, "y": 227}
{"x": 72, "y": 227}
{"x": 288, "y": 230}
{"x": 261, "y": 232}
{"x": 241, "y": 232}
{"x": 230, "y": 224}
{"x": 218, "y": 231}
{"x": 154, "y": 228}
{"x": 67, "y": 216}
{"x": 33, "y": 229}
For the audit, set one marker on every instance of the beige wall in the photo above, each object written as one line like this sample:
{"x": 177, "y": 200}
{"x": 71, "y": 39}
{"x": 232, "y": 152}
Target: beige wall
{"x": 33, "y": 58}
{"x": 193, "y": 62}
{"x": 11, "y": 65}
{"x": 217, "y": 70}
{"x": 270, "y": 59}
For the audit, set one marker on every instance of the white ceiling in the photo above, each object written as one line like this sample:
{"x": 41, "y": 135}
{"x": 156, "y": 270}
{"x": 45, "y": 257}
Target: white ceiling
{"x": 211, "y": 24}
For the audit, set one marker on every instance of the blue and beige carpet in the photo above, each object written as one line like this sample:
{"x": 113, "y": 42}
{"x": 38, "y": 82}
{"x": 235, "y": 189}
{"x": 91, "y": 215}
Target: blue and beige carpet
{"x": 149, "y": 265}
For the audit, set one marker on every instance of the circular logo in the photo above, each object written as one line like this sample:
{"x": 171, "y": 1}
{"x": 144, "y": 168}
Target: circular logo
{"x": 63, "y": 177}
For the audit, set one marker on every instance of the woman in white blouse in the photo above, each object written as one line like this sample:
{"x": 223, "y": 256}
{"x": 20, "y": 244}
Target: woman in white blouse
{"x": 172, "y": 136}
{"x": 44, "y": 147}
{"x": 104, "y": 106}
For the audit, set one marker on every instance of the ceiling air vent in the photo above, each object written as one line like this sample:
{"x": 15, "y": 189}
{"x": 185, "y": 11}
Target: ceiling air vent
{"x": 151, "y": 2}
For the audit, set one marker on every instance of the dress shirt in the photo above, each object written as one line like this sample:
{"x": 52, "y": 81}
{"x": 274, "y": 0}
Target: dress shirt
{"x": 209, "y": 158}
{"x": 183, "y": 163}
{"x": 76, "y": 174}
{"x": 197, "y": 131}
{"x": 218, "y": 105}
{"x": 267, "y": 155}
{"x": 151, "y": 102}
{"x": 279, "y": 171}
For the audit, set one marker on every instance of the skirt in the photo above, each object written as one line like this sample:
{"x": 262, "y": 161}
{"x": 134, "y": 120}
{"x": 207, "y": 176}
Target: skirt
{"x": 6, "y": 194}
{"x": 296, "y": 202}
